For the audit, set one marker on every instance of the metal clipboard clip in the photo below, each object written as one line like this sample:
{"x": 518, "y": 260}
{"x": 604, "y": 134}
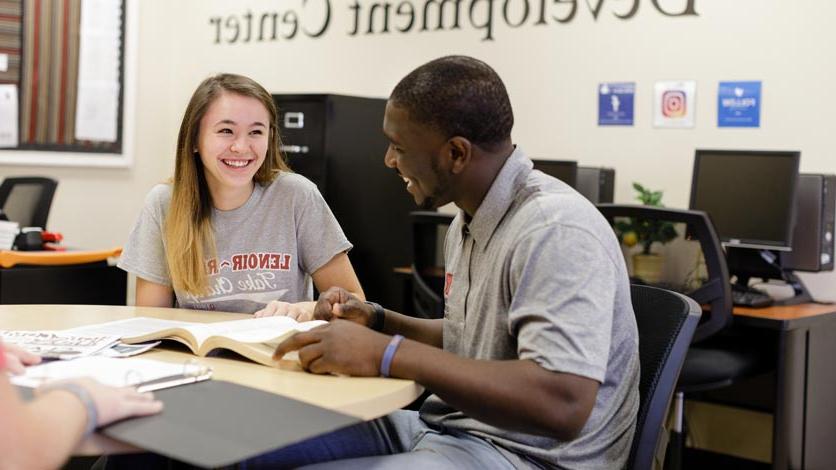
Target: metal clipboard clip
{"x": 193, "y": 372}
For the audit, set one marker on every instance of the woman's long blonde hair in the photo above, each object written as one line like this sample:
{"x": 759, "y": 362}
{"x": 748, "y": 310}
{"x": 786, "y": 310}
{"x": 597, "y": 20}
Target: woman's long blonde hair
{"x": 189, "y": 234}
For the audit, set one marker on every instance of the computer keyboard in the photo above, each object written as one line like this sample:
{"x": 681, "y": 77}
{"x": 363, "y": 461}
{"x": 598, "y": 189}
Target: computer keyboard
{"x": 750, "y": 297}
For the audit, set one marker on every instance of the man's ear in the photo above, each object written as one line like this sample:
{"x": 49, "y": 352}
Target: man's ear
{"x": 461, "y": 152}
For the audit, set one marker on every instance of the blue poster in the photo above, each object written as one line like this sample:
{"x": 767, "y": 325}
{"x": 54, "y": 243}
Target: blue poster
{"x": 739, "y": 104}
{"x": 615, "y": 104}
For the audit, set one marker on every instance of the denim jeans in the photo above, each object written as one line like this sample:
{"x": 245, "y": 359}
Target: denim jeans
{"x": 398, "y": 441}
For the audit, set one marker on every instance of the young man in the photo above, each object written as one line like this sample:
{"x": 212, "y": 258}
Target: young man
{"x": 535, "y": 363}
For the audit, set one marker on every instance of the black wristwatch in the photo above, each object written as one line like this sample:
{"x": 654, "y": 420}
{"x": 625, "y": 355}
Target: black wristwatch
{"x": 378, "y": 318}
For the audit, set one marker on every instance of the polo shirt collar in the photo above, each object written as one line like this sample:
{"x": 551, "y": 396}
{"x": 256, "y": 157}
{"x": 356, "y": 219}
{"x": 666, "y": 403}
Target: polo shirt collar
{"x": 499, "y": 197}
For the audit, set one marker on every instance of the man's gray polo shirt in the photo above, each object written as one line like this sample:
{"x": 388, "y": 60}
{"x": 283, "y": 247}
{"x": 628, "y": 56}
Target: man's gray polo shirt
{"x": 538, "y": 274}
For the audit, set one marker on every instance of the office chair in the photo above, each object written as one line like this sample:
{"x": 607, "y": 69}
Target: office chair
{"x": 714, "y": 359}
{"x": 427, "y": 275}
{"x": 666, "y": 322}
{"x": 27, "y": 200}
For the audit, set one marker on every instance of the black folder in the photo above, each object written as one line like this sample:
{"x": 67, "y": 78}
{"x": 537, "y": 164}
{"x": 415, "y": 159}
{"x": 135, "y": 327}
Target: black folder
{"x": 216, "y": 423}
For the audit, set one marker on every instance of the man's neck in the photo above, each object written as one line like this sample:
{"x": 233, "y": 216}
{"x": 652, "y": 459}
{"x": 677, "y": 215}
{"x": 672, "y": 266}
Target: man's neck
{"x": 486, "y": 165}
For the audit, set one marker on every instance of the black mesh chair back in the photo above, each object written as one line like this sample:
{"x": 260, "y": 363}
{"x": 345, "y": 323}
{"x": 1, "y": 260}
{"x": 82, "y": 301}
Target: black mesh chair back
{"x": 666, "y": 323}
{"x": 427, "y": 273}
{"x": 715, "y": 292}
{"x": 27, "y": 200}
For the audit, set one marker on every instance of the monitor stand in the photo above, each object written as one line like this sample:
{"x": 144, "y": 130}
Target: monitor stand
{"x": 802, "y": 295}
{"x": 747, "y": 263}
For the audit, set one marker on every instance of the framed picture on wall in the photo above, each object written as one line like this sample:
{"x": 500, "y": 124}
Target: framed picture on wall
{"x": 67, "y": 88}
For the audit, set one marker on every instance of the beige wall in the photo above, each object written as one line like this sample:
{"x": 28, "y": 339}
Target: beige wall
{"x": 551, "y": 73}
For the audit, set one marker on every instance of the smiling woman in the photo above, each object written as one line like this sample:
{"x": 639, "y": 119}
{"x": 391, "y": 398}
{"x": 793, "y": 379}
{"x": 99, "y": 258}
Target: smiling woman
{"x": 233, "y": 198}
{"x": 232, "y": 145}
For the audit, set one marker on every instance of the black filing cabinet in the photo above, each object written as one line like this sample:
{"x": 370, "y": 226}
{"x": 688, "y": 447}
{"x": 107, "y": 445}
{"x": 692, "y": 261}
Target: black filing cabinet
{"x": 336, "y": 141}
{"x": 87, "y": 284}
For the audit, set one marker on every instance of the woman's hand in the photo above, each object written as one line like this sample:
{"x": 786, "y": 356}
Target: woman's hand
{"x": 114, "y": 403}
{"x": 300, "y": 311}
{"x": 18, "y": 358}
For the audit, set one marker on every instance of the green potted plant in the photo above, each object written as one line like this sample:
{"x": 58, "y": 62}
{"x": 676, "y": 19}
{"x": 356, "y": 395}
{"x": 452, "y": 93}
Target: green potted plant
{"x": 647, "y": 265}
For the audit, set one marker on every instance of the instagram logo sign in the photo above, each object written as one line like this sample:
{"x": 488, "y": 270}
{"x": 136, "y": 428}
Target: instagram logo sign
{"x": 673, "y": 103}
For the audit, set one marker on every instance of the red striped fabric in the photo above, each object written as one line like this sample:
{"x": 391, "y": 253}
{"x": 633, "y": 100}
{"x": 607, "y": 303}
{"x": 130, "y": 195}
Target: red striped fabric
{"x": 10, "y": 27}
{"x": 49, "y": 75}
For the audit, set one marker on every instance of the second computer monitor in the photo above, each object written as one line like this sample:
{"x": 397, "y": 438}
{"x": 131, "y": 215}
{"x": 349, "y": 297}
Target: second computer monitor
{"x": 749, "y": 195}
{"x": 564, "y": 170}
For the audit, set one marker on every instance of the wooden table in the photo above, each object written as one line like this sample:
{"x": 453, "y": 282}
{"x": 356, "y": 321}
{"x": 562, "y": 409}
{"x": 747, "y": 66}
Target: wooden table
{"x": 366, "y": 398}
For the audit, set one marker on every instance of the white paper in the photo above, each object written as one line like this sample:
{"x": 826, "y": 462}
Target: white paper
{"x": 4, "y": 62}
{"x": 97, "y": 104}
{"x": 116, "y": 372}
{"x": 8, "y": 116}
{"x": 674, "y": 105}
{"x": 56, "y": 344}
{"x": 8, "y": 233}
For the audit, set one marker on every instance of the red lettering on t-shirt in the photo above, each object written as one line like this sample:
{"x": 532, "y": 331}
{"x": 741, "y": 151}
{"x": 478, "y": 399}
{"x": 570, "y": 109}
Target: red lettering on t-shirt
{"x": 264, "y": 260}
{"x": 257, "y": 261}
{"x": 448, "y": 284}
{"x": 212, "y": 267}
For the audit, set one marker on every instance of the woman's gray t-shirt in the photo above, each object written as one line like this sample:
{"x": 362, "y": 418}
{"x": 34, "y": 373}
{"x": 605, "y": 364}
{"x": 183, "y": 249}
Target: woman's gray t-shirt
{"x": 266, "y": 249}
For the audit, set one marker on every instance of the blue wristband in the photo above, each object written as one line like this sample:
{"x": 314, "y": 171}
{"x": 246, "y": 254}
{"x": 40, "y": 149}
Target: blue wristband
{"x": 86, "y": 399}
{"x": 389, "y": 354}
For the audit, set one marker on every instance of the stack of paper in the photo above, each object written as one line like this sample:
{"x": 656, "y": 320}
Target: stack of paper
{"x": 58, "y": 345}
{"x": 8, "y": 233}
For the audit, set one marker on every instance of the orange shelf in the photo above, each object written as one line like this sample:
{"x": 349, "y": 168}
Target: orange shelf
{"x": 9, "y": 259}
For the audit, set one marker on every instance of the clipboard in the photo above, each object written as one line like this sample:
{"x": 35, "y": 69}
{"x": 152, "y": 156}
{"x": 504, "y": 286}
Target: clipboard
{"x": 216, "y": 423}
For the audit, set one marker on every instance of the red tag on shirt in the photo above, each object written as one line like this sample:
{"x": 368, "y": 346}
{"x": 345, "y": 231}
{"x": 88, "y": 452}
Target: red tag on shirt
{"x": 2, "y": 357}
{"x": 448, "y": 283}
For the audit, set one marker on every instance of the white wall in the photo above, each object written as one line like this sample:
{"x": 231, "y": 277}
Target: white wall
{"x": 551, "y": 73}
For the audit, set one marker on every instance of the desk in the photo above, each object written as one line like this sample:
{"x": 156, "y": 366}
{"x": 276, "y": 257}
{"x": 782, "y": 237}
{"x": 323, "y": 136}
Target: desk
{"x": 805, "y": 383}
{"x": 366, "y": 398}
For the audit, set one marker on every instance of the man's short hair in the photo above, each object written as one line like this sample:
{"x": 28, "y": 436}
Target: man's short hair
{"x": 458, "y": 96}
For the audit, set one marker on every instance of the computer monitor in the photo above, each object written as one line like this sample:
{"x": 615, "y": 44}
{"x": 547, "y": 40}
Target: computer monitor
{"x": 564, "y": 170}
{"x": 749, "y": 195}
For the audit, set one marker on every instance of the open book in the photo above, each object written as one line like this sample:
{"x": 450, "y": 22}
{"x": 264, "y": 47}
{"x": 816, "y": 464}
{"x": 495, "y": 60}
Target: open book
{"x": 254, "y": 338}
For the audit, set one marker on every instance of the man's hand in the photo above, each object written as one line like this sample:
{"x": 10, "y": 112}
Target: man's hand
{"x": 18, "y": 358}
{"x": 337, "y": 302}
{"x": 300, "y": 311}
{"x": 340, "y": 347}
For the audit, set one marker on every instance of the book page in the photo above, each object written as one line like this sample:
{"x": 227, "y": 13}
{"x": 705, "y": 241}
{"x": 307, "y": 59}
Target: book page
{"x": 248, "y": 330}
{"x": 107, "y": 370}
{"x": 259, "y": 330}
{"x": 137, "y": 326}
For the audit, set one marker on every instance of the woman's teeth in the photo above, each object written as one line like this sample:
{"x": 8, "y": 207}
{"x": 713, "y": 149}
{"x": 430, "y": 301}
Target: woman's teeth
{"x": 236, "y": 163}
